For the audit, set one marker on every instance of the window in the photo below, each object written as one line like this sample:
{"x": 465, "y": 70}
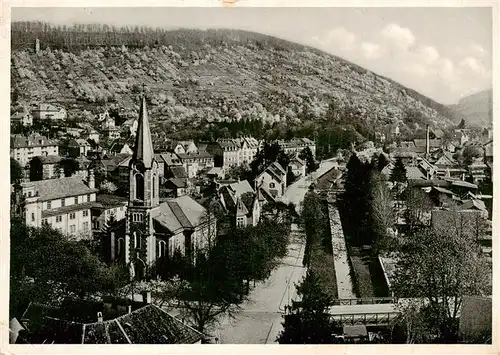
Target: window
{"x": 85, "y": 213}
{"x": 58, "y": 219}
{"x": 240, "y": 222}
{"x": 88, "y": 198}
{"x": 49, "y": 205}
{"x": 44, "y": 221}
{"x": 29, "y": 193}
{"x": 63, "y": 202}
{"x": 162, "y": 247}
{"x": 76, "y": 200}
{"x": 72, "y": 215}
{"x": 121, "y": 209}
{"x": 139, "y": 187}
{"x": 32, "y": 217}
{"x": 72, "y": 228}
{"x": 120, "y": 246}
{"x": 85, "y": 226}
{"x": 271, "y": 185}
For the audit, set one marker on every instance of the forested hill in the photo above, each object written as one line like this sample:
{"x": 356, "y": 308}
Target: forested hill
{"x": 208, "y": 75}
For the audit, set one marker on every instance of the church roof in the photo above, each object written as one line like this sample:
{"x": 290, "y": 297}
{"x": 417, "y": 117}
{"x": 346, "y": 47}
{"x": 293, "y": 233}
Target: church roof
{"x": 143, "y": 149}
{"x": 179, "y": 213}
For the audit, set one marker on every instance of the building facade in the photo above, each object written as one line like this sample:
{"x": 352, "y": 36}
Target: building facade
{"x": 23, "y": 149}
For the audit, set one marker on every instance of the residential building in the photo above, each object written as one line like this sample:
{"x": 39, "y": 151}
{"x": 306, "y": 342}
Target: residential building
{"x": 78, "y": 147}
{"x": 49, "y": 112}
{"x": 194, "y": 162}
{"x": 45, "y": 167}
{"x": 298, "y": 167}
{"x": 244, "y": 210}
{"x": 295, "y": 145}
{"x": 248, "y": 148}
{"x": 273, "y": 179}
{"x": 154, "y": 230}
{"x": 63, "y": 203}
{"x": 23, "y": 149}
{"x": 94, "y": 135}
{"x": 183, "y": 147}
{"x": 177, "y": 187}
{"x": 107, "y": 207}
{"x": 477, "y": 170}
{"x": 23, "y": 118}
{"x": 230, "y": 152}
{"x": 111, "y": 321}
{"x": 74, "y": 132}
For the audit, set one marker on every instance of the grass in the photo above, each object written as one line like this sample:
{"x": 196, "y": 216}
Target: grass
{"x": 360, "y": 263}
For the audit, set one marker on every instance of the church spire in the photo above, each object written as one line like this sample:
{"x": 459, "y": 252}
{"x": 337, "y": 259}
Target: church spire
{"x": 143, "y": 149}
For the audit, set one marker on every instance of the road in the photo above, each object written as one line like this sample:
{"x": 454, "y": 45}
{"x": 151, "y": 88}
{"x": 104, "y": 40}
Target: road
{"x": 295, "y": 192}
{"x": 259, "y": 322}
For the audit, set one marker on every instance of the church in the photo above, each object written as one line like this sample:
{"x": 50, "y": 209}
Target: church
{"x": 154, "y": 230}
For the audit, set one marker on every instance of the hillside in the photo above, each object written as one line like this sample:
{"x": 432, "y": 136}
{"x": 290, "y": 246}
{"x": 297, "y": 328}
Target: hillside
{"x": 200, "y": 76}
{"x": 476, "y": 109}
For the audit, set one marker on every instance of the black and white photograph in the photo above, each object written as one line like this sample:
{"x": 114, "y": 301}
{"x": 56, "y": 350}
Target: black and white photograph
{"x": 250, "y": 175}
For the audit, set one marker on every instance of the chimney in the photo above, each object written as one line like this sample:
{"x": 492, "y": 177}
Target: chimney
{"x": 99, "y": 317}
{"x": 146, "y": 297}
{"x": 427, "y": 148}
{"x": 91, "y": 179}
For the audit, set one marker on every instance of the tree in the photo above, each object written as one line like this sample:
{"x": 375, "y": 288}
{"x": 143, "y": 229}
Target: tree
{"x": 47, "y": 266}
{"x": 108, "y": 187}
{"x": 313, "y": 217}
{"x": 442, "y": 265}
{"x": 16, "y": 171}
{"x": 382, "y": 162}
{"x": 307, "y": 156}
{"x": 470, "y": 153}
{"x": 382, "y": 214}
{"x": 461, "y": 125}
{"x": 68, "y": 166}
{"x": 418, "y": 208}
{"x": 308, "y": 321}
{"x": 398, "y": 173}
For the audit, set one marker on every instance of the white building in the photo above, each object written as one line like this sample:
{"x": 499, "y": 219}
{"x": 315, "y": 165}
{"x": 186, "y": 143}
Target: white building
{"x": 23, "y": 149}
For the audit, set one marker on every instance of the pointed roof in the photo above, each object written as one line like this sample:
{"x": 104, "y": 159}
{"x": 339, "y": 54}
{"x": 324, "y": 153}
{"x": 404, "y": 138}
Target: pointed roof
{"x": 143, "y": 149}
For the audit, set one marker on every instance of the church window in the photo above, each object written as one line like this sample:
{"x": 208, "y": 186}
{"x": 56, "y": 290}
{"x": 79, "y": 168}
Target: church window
{"x": 120, "y": 247}
{"x": 139, "y": 186}
{"x": 154, "y": 186}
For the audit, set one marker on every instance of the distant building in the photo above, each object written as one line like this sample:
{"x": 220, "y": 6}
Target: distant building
{"x": 63, "y": 203}
{"x": 273, "y": 179}
{"x": 194, "y": 162}
{"x": 45, "y": 167}
{"x": 23, "y": 149}
{"x": 107, "y": 207}
{"x": 244, "y": 212}
{"x": 78, "y": 147}
{"x": 24, "y": 118}
{"x": 296, "y": 145}
{"x": 94, "y": 135}
{"x": 298, "y": 167}
{"x": 49, "y": 112}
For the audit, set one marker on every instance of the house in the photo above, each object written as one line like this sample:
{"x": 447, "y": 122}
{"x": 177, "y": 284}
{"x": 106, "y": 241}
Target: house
{"x": 462, "y": 188}
{"x": 460, "y": 137}
{"x": 78, "y": 147}
{"x": 94, "y": 135}
{"x": 23, "y": 149}
{"x": 248, "y": 147}
{"x": 183, "y": 147}
{"x": 74, "y": 132}
{"x": 329, "y": 181}
{"x": 63, "y": 203}
{"x": 107, "y": 207}
{"x": 23, "y": 118}
{"x": 230, "y": 152}
{"x": 154, "y": 230}
{"x": 246, "y": 209}
{"x": 194, "y": 162}
{"x": 474, "y": 205}
{"x": 298, "y": 167}
{"x": 177, "y": 187}
{"x": 49, "y": 112}
{"x": 447, "y": 166}
{"x": 110, "y": 321}
{"x": 477, "y": 170}
{"x": 440, "y": 196}
{"x": 45, "y": 167}
{"x": 295, "y": 145}
{"x": 273, "y": 179}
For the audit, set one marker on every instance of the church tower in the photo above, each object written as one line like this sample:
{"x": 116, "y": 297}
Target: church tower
{"x": 140, "y": 242}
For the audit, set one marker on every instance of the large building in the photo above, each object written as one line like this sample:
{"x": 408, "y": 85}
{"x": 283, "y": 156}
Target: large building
{"x": 23, "y": 149}
{"x": 295, "y": 145}
{"x": 49, "y": 112}
{"x": 154, "y": 230}
{"x": 62, "y": 203}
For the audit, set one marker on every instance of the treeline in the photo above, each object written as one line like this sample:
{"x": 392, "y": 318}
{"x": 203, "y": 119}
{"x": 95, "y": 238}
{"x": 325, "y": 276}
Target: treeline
{"x": 80, "y": 36}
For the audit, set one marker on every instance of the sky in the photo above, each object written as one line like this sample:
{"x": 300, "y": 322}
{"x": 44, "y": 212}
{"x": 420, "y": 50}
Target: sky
{"x": 443, "y": 53}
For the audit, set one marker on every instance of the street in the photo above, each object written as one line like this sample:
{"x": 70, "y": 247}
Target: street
{"x": 259, "y": 322}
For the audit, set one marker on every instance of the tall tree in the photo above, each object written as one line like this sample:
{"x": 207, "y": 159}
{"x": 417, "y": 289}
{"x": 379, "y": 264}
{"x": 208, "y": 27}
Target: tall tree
{"x": 398, "y": 173}
{"x": 382, "y": 213}
{"x": 307, "y": 155}
{"x": 308, "y": 321}
{"x": 16, "y": 171}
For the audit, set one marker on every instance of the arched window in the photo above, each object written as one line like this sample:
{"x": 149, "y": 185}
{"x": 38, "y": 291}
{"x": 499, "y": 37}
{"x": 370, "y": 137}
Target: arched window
{"x": 120, "y": 249}
{"x": 139, "y": 186}
{"x": 154, "y": 186}
{"x": 162, "y": 248}
{"x": 137, "y": 240}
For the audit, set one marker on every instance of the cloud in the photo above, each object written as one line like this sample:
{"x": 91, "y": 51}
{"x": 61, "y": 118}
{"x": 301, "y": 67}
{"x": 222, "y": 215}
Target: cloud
{"x": 395, "y": 52}
{"x": 371, "y": 50}
{"x": 398, "y": 36}
{"x": 339, "y": 38}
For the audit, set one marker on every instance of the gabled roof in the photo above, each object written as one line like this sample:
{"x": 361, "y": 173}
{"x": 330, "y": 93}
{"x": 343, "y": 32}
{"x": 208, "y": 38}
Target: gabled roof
{"x": 178, "y": 182}
{"x": 413, "y": 172}
{"x": 433, "y": 143}
{"x": 58, "y": 188}
{"x": 462, "y": 183}
{"x": 276, "y": 171}
{"x": 110, "y": 201}
{"x": 178, "y": 171}
{"x": 48, "y": 159}
{"x": 19, "y": 141}
{"x": 179, "y": 213}
{"x": 143, "y": 149}
{"x": 472, "y": 204}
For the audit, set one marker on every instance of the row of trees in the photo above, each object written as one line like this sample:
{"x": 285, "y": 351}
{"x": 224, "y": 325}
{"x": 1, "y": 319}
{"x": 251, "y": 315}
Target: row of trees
{"x": 220, "y": 279}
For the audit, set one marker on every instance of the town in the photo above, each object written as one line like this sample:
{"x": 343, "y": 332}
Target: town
{"x": 121, "y": 234}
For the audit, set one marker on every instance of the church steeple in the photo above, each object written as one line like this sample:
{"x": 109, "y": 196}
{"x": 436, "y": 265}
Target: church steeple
{"x": 143, "y": 150}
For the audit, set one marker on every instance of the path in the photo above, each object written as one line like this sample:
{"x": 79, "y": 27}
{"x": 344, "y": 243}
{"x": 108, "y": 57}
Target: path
{"x": 259, "y": 322}
{"x": 342, "y": 270}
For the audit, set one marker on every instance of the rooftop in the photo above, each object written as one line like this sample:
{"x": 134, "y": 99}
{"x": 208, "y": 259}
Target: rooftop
{"x": 58, "y": 188}
{"x": 179, "y": 213}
